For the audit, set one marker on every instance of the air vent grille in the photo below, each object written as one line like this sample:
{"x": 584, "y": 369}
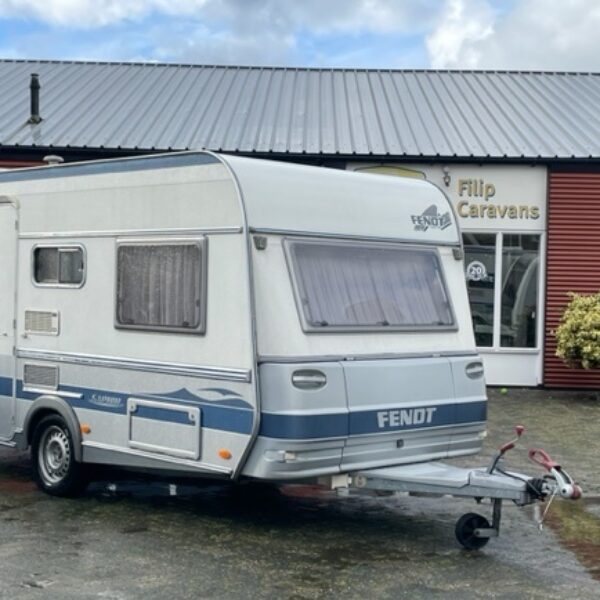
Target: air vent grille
{"x": 42, "y": 321}
{"x": 40, "y": 376}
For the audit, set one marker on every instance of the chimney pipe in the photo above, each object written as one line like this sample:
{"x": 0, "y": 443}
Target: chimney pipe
{"x": 34, "y": 89}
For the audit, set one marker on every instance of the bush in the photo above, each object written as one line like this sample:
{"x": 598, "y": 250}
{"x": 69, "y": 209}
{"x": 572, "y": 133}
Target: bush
{"x": 578, "y": 335}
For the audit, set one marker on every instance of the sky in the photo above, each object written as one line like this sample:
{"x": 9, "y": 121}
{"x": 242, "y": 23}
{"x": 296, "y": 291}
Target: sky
{"x": 552, "y": 35}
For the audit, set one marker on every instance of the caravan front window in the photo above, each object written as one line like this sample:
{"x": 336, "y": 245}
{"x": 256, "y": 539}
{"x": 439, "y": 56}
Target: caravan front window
{"x": 162, "y": 286}
{"x": 351, "y": 286}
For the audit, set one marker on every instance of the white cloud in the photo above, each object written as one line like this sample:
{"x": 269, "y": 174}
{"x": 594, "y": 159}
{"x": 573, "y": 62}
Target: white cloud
{"x": 317, "y": 15}
{"x": 94, "y": 13}
{"x": 464, "y": 25}
{"x": 535, "y": 34}
{"x": 265, "y": 32}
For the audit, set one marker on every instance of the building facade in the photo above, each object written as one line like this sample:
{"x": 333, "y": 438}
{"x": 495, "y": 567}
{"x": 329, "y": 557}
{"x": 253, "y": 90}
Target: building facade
{"x": 517, "y": 153}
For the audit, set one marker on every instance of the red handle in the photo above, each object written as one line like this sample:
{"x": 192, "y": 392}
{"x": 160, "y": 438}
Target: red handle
{"x": 520, "y": 430}
{"x": 541, "y": 457}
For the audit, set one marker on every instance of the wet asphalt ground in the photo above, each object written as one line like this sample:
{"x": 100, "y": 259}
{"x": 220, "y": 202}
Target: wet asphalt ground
{"x": 220, "y": 541}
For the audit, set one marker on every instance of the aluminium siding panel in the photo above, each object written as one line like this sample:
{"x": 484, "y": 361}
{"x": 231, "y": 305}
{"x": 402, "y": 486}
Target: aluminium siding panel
{"x": 572, "y": 263}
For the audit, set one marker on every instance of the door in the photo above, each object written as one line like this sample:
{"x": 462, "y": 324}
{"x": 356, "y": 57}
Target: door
{"x": 8, "y": 259}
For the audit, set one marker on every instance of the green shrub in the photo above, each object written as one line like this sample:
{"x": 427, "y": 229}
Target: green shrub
{"x": 578, "y": 335}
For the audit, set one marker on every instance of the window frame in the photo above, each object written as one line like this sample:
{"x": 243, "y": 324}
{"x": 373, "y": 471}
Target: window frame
{"x": 496, "y": 347}
{"x": 307, "y": 327}
{"x": 200, "y": 242}
{"x": 59, "y": 247}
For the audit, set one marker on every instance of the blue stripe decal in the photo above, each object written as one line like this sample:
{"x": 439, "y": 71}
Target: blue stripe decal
{"x": 397, "y": 419}
{"x": 299, "y": 427}
{"x": 162, "y": 414}
{"x": 215, "y": 414}
{"x": 226, "y": 416}
{"x": 6, "y": 388}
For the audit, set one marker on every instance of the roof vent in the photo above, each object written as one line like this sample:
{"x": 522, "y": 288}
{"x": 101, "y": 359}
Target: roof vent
{"x": 34, "y": 95}
{"x": 53, "y": 159}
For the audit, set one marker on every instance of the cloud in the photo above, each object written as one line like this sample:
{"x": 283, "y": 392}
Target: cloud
{"x": 464, "y": 25}
{"x": 533, "y": 35}
{"x": 86, "y": 14}
{"x": 262, "y": 32}
{"x": 461, "y": 34}
{"x": 320, "y": 16}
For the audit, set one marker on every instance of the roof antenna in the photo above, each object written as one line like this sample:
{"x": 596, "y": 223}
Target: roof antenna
{"x": 34, "y": 94}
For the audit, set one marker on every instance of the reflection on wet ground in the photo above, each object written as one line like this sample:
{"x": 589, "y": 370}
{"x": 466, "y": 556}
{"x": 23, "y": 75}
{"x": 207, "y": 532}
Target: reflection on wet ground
{"x": 578, "y": 528}
{"x": 134, "y": 539}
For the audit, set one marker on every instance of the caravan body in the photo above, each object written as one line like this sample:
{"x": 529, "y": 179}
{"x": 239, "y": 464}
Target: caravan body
{"x": 223, "y": 316}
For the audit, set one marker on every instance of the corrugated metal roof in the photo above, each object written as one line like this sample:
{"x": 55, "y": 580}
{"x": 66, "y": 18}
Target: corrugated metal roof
{"x": 482, "y": 114}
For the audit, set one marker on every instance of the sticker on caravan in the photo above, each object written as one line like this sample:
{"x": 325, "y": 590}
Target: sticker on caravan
{"x": 106, "y": 400}
{"x": 431, "y": 219}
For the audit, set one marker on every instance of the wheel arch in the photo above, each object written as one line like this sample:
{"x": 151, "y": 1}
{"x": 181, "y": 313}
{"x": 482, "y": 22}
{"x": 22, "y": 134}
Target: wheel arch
{"x": 49, "y": 405}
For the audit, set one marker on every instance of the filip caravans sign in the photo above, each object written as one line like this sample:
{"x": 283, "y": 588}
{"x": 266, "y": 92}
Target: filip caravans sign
{"x": 485, "y": 198}
{"x": 493, "y": 198}
{"x": 476, "y": 201}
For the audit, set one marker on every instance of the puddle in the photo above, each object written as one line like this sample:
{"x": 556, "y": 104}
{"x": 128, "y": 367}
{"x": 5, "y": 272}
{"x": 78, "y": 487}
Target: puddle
{"x": 578, "y": 529}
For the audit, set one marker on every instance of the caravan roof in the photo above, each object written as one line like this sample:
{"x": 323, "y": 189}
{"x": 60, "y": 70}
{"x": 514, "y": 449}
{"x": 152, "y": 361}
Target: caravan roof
{"x": 284, "y": 197}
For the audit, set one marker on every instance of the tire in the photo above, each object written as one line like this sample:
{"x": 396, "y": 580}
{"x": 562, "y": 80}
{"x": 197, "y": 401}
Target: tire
{"x": 465, "y": 531}
{"x": 55, "y": 469}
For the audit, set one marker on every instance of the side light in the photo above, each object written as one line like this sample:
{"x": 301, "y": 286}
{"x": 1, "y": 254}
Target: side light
{"x": 474, "y": 370}
{"x": 309, "y": 379}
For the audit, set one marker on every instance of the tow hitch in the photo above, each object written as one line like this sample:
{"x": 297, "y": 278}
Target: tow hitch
{"x": 473, "y": 530}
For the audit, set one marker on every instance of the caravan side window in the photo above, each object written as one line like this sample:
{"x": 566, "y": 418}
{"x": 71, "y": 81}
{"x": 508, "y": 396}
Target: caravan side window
{"x": 58, "y": 266}
{"x": 162, "y": 286}
{"x": 355, "y": 286}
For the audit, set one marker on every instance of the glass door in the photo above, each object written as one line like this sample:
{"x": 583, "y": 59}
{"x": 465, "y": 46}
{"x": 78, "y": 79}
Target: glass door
{"x": 503, "y": 280}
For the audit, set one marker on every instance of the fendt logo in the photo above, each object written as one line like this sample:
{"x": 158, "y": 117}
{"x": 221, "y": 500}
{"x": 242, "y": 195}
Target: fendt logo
{"x": 405, "y": 416}
{"x": 431, "y": 219}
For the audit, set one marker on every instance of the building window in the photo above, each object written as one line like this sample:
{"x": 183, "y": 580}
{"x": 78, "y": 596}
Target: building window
{"x": 480, "y": 265}
{"x": 162, "y": 286}
{"x": 343, "y": 286}
{"x": 56, "y": 266}
{"x": 520, "y": 268}
{"x": 504, "y": 309}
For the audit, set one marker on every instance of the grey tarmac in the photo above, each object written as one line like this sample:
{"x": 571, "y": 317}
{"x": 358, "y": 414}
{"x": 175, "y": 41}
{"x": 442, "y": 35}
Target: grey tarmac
{"x": 133, "y": 539}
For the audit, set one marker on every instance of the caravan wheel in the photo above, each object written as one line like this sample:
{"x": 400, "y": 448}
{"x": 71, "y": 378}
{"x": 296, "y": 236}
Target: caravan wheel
{"x": 54, "y": 466}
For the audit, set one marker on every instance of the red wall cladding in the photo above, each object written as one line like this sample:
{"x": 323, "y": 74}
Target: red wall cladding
{"x": 573, "y": 263}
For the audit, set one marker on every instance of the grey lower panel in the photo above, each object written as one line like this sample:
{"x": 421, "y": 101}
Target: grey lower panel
{"x": 277, "y": 459}
{"x": 105, "y": 455}
{"x": 288, "y": 459}
{"x": 371, "y": 451}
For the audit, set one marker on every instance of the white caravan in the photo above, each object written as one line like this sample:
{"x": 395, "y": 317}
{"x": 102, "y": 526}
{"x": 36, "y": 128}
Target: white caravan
{"x": 219, "y": 316}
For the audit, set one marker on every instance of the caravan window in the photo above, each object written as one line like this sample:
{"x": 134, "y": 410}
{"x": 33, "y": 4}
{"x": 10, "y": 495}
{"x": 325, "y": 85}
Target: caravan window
{"x": 58, "y": 266}
{"x": 161, "y": 286}
{"x": 342, "y": 286}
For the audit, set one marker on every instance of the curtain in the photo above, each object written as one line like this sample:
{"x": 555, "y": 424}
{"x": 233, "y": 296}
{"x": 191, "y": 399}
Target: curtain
{"x": 160, "y": 285}
{"x": 357, "y": 285}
